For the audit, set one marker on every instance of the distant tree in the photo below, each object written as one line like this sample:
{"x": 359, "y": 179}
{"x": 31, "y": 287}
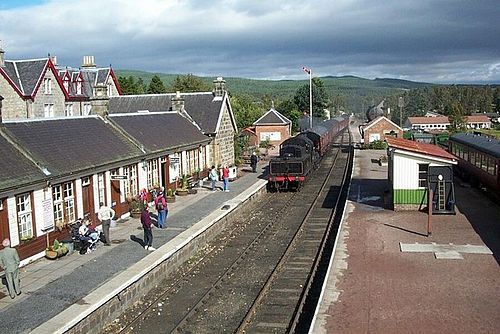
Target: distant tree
{"x": 289, "y": 109}
{"x": 156, "y": 86}
{"x": 245, "y": 110}
{"x": 189, "y": 83}
{"x": 140, "y": 86}
{"x": 320, "y": 100}
{"x": 456, "y": 117}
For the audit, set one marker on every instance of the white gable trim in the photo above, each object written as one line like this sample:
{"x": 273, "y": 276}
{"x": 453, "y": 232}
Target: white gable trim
{"x": 378, "y": 119}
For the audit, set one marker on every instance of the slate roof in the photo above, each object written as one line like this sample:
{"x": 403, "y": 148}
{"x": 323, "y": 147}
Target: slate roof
{"x": 160, "y": 131}
{"x": 91, "y": 77}
{"x": 418, "y": 147}
{"x": 272, "y": 117}
{"x": 69, "y": 145}
{"x": 15, "y": 169}
{"x": 481, "y": 143}
{"x": 25, "y": 74}
{"x": 444, "y": 119}
{"x": 202, "y": 107}
{"x": 379, "y": 119}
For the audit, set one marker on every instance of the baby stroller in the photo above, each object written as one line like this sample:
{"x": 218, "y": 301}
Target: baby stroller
{"x": 84, "y": 243}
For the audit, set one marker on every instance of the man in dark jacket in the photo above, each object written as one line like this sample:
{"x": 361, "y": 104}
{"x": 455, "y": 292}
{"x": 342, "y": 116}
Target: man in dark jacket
{"x": 146, "y": 225}
{"x": 253, "y": 162}
{"x": 9, "y": 261}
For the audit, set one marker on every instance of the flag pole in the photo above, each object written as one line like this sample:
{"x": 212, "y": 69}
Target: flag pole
{"x": 310, "y": 100}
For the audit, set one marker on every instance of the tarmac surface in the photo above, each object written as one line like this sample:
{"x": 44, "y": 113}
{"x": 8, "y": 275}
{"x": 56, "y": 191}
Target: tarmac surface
{"x": 388, "y": 276}
{"x": 51, "y": 286}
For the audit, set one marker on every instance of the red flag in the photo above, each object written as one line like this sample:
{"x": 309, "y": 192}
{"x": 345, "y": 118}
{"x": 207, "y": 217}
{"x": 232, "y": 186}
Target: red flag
{"x": 307, "y": 70}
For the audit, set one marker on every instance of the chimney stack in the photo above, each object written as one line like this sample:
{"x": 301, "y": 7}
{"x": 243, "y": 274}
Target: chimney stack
{"x": 100, "y": 100}
{"x": 219, "y": 87}
{"x": 88, "y": 62}
{"x": 177, "y": 102}
{"x": 54, "y": 60}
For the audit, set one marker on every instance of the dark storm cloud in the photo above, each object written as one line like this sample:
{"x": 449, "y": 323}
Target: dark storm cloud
{"x": 435, "y": 41}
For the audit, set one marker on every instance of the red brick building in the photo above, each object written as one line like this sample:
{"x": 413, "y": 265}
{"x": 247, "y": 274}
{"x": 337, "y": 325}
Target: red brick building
{"x": 272, "y": 126}
{"x": 379, "y": 129}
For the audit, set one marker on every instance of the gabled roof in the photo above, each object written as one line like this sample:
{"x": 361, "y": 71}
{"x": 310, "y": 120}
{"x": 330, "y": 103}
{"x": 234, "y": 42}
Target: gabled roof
{"x": 202, "y": 107}
{"x": 25, "y": 75}
{"x": 15, "y": 169}
{"x": 65, "y": 146}
{"x": 379, "y": 119}
{"x": 445, "y": 120}
{"x": 272, "y": 117}
{"x": 421, "y": 148}
{"x": 160, "y": 131}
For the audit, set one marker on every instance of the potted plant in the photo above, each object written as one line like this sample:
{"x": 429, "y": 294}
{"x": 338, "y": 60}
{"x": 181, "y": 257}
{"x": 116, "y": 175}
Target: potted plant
{"x": 170, "y": 196}
{"x": 56, "y": 250}
{"x": 136, "y": 206}
{"x": 183, "y": 190}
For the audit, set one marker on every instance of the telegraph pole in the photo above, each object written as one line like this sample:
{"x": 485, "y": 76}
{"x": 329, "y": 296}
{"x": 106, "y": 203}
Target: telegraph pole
{"x": 400, "y": 105}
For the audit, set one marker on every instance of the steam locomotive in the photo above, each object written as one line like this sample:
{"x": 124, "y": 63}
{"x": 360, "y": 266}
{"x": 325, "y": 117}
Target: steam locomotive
{"x": 299, "y": 155}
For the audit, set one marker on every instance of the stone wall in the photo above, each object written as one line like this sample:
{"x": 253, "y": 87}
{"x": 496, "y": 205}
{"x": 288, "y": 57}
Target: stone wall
{"x": 13, "y": 106}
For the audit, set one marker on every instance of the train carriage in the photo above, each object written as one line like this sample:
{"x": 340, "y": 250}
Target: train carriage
{"x": 478, "y": 160}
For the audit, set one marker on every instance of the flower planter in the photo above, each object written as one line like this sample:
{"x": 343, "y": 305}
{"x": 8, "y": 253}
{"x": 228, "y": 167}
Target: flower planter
{"x": 135, "y": 214}
{"x": 170, "y": 199}
{"x": 181, "y": 192}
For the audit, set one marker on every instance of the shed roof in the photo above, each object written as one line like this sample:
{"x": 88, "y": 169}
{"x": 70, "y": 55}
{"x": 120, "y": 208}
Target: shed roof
{"x": 418, "y": 147}
{"x": 272, "y": 117}
{"x": 445, "y": 120}
{"x": 380, "y": 119}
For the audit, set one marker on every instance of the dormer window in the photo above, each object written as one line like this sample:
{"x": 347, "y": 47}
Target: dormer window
{"x": 79, "y": 86}
{"x": 66, "y": 85}
{"x": 47, "y": 86}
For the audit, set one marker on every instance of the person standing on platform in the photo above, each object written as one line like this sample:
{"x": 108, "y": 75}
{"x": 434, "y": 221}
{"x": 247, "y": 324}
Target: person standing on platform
{"x": 253, "y": 162}
{"x": 105, "y": 214}
{"x": 146, "y": 225}
{"x": 161, "y": 208}
{"x": 9, "y": 261}
{"x": 225, "y": 177}
{"x": 213, "y": 177}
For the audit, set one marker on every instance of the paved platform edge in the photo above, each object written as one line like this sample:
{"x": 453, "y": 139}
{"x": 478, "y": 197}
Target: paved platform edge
{"x": 74, "y": 314}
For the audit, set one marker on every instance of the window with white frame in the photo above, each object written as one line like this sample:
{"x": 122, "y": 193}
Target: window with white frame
{"x": 68, "y": 109}
{"x": 131, "y": 182}
{"x": 101, "y": 188}
{"x": 66, "y": 85}
{"x": 79, "y": 87}
{"x": 423, "y": 170}
{"x": 48, "y": 110}
{"x": 153, "y": 177}
{"x": 47, "y": 86}
{"x": 87, "y": 108}
{"x": 24, "y": 216}
{"x": 110, "y": 90}
{"x": 64, "y": 203}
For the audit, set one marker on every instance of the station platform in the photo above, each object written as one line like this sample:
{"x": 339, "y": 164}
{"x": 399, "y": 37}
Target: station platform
{"x": 388, "y": 276}
{"x": 56, "y": 294}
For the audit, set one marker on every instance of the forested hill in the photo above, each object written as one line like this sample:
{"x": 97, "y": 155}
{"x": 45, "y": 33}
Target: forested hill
{"x": 286, "y": 88}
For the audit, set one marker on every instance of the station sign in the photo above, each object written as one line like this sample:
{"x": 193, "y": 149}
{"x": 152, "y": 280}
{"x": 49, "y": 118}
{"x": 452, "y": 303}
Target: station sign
{"x": 174, "y": 160}
{"x": 118, "y": 177}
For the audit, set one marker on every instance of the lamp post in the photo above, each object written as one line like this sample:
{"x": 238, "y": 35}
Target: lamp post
{"x": 309, "y": 71}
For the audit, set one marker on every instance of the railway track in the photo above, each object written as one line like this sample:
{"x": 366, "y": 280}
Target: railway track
{"x": 258, "y": 276}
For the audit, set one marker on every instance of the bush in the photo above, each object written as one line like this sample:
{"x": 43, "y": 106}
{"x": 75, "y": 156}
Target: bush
{"x": 377, "y": 145}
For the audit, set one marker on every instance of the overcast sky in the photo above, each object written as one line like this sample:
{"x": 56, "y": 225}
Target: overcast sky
{"x": 448, "y": 41}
